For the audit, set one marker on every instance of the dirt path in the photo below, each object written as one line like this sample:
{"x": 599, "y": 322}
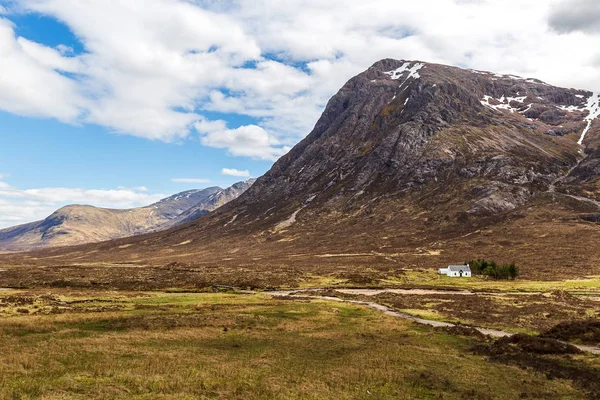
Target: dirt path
{"x": 584, "y": 199}
{"x": 552, "y": 187}
{"x": 393, "y": 313}
{"x": 425, "y": 292}
{"x": 560, "y": 179}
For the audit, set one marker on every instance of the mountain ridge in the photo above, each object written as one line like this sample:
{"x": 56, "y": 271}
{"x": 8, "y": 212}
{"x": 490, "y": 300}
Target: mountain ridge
{"x": 78, "y": 224}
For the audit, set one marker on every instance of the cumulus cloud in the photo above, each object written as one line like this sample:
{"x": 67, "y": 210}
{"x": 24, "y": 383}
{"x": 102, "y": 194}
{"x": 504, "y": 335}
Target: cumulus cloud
{"x": 576, "y": 15}
{"x": 31, "y": 81}
{"x": 153, "y": 68}
{"x": 190, "y": 180}
{"x": 248, "y": 140}
{"x": 147, "y": 63}
{"x": 19, "y": 206}
{"x": 235, "y": 172}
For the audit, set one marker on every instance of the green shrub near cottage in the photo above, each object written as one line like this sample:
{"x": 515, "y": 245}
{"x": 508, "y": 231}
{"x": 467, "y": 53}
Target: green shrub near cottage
{"x": 493, "y": 269}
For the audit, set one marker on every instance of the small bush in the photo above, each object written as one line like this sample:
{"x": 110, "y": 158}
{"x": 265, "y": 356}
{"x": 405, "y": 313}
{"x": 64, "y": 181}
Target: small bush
{"x": 494, "y": 270}
{"x": 521, "y": 343}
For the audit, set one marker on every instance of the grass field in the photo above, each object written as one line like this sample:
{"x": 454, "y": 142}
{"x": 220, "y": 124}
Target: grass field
{"x": 431, "y": 278}
{"x": 121, "y": 345}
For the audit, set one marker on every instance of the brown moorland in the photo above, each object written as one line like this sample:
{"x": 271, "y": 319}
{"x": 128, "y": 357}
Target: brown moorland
{"x": 133, "y": 345}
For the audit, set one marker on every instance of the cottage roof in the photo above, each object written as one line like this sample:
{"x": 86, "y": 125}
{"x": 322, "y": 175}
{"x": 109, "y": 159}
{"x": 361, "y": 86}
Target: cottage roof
{"x": 457, "y": 268}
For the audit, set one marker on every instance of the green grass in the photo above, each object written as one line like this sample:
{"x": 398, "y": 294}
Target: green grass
{"x": 417, "y": 278}
{"x": 431, "y": 315}
{"x": 226, "y": 346}
{"x": 315, "y": 281}
{"x": 431, "y": 278}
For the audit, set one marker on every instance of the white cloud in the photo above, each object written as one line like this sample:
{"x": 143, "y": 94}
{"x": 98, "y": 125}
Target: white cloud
{"x": 147, "y": 63}
{"x": 136, "y": 188}
{"x": 249, "y": 140}
{"x": 190, "y": 180}
{"x": 30, "y": 82}
{"x": 235, "y": 172}
{"x": 18, "y": 206}
{"x": 65, "y": 50}
{"x": 152, "y": 67}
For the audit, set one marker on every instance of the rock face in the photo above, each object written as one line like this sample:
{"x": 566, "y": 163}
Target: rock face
{"x": 414, "y": 163}
{"x": 78, "y": 224}
{"x": 402, "y": 124}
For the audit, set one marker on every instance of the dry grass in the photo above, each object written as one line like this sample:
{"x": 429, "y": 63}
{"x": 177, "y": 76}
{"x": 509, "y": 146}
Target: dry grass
{"x": 229, "y": 346}
{"x": 533, "y": 314}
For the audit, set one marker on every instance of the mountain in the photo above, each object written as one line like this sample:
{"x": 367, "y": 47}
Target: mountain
{"x": 412, "y": 164}
{"x": 77, "y": 224}
{"x": 209, "y": 203}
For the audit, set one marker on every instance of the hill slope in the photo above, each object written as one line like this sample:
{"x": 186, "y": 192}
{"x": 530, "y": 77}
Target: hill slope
{"x": 78, "y": 224}
{"x": 412, "y": 164}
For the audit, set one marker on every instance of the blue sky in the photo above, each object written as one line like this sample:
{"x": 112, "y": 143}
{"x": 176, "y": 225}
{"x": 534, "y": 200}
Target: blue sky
{"x": 117, "y": 104}
{"x": 44, "y": 152}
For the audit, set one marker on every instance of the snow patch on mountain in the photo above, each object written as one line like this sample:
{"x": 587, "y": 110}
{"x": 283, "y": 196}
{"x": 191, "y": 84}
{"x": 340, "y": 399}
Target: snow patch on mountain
{"x": 593, "y": 106}
{"x": 504, "y": 103}
{"x": 413, "y": 71}
{"x": 571, "y": 108}
{"x": 520, "y": 99}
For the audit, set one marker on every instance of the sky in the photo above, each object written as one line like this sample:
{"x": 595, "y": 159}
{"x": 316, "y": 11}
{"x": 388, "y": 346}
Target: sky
{"x": 118, "y": 103}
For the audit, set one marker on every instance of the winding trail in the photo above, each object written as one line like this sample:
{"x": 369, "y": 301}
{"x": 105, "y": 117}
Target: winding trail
{"x": 560, "y": 179}
{"x": 398, "y": 314}
{"x": 424, "y": 292}
{"x": 552, "y": 186}
{"x": 584, "y": 199}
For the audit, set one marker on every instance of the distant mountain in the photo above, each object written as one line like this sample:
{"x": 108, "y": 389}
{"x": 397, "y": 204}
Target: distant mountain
{"x": 209, "y": 203}
{"x": 411, "y": 164}
{"x": 78, "y": 224}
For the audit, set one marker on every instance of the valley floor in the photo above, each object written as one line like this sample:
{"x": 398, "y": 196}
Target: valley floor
{"x": 75, "y": 343}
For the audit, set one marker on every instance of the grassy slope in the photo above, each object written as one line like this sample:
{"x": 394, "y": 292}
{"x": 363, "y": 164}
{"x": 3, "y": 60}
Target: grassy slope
{"x": 167, "y": 346}
{"x": 84, "y": 224}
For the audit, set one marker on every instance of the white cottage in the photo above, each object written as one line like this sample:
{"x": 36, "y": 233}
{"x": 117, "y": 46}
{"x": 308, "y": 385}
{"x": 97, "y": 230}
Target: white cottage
{"x": 456, "y": 271}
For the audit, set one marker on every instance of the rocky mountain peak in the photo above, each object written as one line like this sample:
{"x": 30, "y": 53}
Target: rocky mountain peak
{"x": 403, "y": 123}
{"x": 420, "y": 151}
{"x": 209, "y": 203}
